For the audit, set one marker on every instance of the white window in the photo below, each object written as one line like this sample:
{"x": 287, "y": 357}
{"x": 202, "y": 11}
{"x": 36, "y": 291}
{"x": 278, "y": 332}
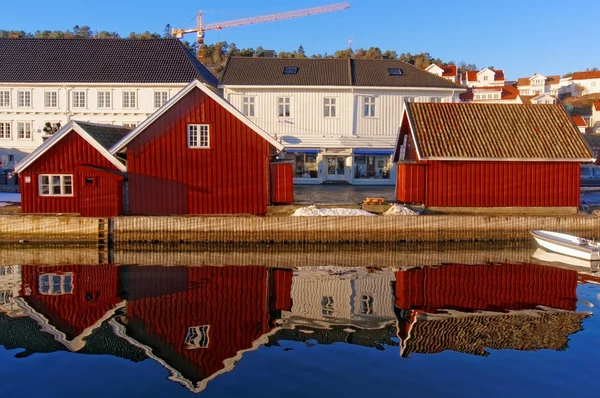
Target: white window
{"x": 160, "y": 97}
{"x": 104, "y": 99}
{"x": 55, "y": 185}
{"x": 435, "y": 99}
{"x": 327, "y": 306}
{"x": 330, "y": 107}
{"x": 51, "y": 99}
{"x": 24, "y": 99}
{"x": 366, "y": 305}
{"x": 129, "y": 99}
{"x": 485, "y": 77}
{"x": 24, "y": 130}
{"x": 5, "y": 296}
{"x": 131, "y": 125}
{"x": 197, "y": 337}
{"x": 248, "y": 106}
{"x": 56, "y": 284}
{"x": 4, "y": 98}
{"x": 79, "y": 100}
{"x": 284, "y": 107}
{"x": 369, "y": 107}
{"x": 5, "y": 130}
{"x": 410, "y": 99}
{"x": 198, "y": 136}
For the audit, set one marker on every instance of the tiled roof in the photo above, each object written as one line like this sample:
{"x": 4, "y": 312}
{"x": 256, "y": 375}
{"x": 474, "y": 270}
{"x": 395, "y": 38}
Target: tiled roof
{"x": 472, "y": 75}
{"x": 105, "y": 135}
{"x": 526, "y": 99}
{"x": 508, "y": 92}
{"x": 579, "y": 121}
{"x": 327, "y": 72}
{"x": 449, "y": 71}
{"x": 495, "y": 131}
{"x": 586, "y": 75}
{"x": 99, "y": 61}
{"x": 597, "y": 105}
{"x": 499, "y": 75}
{"x": 523, "y": 81}
{"x": 553, "y": 79}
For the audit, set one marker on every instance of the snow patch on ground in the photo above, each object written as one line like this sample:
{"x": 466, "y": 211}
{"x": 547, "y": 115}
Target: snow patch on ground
{"x": 399, "y": 210}
{"x": 313, "y": 211}
{"x": 8, "y": 198}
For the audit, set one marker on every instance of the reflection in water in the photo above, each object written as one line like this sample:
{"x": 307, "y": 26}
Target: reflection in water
{"x": 198, "y": 322}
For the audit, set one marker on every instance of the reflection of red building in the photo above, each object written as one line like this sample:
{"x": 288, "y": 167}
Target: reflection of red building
{"x": 467, "y": 308}
{"x": 70, "y": 302}
{"x": 199, "y": 329}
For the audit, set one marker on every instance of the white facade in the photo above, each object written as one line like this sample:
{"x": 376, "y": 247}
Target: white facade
{"x": 540, "y": 84}
{"x": 438, "y": 71}
{"x": 586, "y": 86}
{"x": 26, "y": 108}
{"x": 484, "y": 78}
{"x": 334, "y": 133}
{"x": 10, "y": 286}
{"x": 595, "y": 119}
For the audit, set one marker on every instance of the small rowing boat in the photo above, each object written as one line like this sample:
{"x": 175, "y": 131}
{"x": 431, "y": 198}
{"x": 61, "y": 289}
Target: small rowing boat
{"x": 568, "y": 245}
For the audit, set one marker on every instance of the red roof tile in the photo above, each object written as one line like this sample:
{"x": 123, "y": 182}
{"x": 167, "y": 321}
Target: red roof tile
{"x": 472, "y": 75}
{"x": 597, "y": 106}
{"x": 579, "y": 121}
{"x": 523, "y": 81}
{"x": 586, "y": 75}
{"x": 499, "y": 75}
{"x": 449, "y": 70}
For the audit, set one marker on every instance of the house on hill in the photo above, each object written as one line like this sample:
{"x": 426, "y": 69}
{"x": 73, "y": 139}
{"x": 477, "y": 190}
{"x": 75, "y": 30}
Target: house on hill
{"x": 74, "y": 172}
{"x": 595, "y": 120}
{"x": 108, "y": 81}
{"x": 580, "y": 123}
{"x": 448, "y": 72}
{"x": 540, "y": 84}
{"x": 483, "y": 78}
{"x": 587, "y": 82}
{"x": 337, "y": 118}
{"x": 462, "y": 157}
{"x": 492, "y": 95}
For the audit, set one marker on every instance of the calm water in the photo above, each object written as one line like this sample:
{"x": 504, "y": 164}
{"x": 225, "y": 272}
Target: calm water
{"x": 467, "y": 328}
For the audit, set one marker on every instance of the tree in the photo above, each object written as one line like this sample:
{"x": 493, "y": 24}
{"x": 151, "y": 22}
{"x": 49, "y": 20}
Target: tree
{"x": 167, "y": 33}
{"x": 300, "y": 53}
{"x": 232, "y": 50}
{"x": 347, "y": 53}
{"x": 389, "y": 54}
{"x": 49, "y": 129}
{"x": 373, "y": 53}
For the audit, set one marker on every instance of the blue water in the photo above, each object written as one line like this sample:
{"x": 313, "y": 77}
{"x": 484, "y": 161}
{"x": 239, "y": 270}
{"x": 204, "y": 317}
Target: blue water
{"x": 280, "y": 366}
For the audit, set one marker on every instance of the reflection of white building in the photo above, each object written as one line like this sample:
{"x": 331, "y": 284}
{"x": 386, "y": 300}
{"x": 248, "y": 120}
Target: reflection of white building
{"x": 325, "y": 296}
{"x": 337, "y": 118}
{"x": 10, "y": 285}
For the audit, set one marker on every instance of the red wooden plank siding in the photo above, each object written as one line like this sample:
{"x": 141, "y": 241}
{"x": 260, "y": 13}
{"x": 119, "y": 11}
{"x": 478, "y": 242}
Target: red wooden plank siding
{"x": 500, "y": 184}
{"x": 167, "y": 177}
{"x": 95, "y": 292}
{"x": 410, "y": 185}
{"x": 65, "y": 157}
{"x": 281, "y": 297}
{"x": 282, "y": 183}
{"x": 486, "y": 287}
{"x": 103, "y": 197}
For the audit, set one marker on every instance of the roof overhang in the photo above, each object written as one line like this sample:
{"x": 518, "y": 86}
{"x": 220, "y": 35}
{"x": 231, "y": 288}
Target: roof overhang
{"x": 214, "y": 96}
{"x": 349, "y": 88}
{"x": 93, "y": 84}
{"x": 56, "y": 137}
{"x": 578, "y": 160}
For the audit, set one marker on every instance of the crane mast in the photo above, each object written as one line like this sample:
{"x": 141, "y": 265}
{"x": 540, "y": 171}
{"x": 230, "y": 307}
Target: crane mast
{"x": 201, "y": 28}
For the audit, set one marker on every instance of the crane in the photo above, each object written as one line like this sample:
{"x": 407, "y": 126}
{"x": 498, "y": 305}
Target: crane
{"x": 201, "y": 28}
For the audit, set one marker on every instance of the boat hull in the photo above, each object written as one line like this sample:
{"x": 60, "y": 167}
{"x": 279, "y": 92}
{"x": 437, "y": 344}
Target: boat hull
{"x": 567, "y": 247}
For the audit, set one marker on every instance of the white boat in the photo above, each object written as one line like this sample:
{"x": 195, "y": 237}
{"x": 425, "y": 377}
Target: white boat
{"x": 553, "y": 258}
{"x": 568, "y": 245}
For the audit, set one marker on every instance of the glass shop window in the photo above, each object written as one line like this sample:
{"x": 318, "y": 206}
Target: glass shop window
{"x": 372, "y": 166}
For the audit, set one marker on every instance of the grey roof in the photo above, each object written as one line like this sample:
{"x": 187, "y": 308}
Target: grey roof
{"x": 99, "y": 61}
{"x": 245, "y": 71}
{"x": 105, "y": 135}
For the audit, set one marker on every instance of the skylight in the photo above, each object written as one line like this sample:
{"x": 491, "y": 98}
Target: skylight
{"x": 290, "y": 70}
{"x": 395, "y": 71}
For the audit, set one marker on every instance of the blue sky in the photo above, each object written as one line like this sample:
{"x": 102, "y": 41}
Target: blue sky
{"x": 522, "y": 37}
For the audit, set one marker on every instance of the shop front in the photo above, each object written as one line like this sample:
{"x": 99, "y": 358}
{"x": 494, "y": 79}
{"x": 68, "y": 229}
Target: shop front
{"x": 372, "y": 167}
{"x": 306, "y": 165}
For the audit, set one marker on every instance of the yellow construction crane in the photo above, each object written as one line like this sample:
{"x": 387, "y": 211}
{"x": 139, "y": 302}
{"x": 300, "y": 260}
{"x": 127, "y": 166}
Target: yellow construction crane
{"x": 201, "y": 28}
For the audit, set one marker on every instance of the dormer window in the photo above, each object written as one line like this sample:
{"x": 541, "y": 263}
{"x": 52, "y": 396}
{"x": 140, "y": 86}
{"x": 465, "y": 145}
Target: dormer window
{"x": 485, "y": 77}
{"x": 290, "y": 70}
{"x": 395, "y": 71}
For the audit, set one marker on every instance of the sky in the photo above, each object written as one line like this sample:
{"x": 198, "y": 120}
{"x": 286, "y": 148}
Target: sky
{"x": 522, "y": 37}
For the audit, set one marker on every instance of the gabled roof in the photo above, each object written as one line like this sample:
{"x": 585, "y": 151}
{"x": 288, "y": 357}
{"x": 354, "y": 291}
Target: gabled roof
{"x": 529, "y": 99}
{"x": 498, "y": 74}
{"x": 99, "y": 61}
{"x": 449, "y": 70}
{"x": 526, "y": 81}
{"x": 100, "y": 136}
{"x": 244, "y": 71}
{"x": 586, "y": 75}
{"x": 523, "y": 81}
{"x": 181, "y": 94}
{"x": 510, "y": 132}
{"x": 507, "y": 92}
{"x": 579, "y": 121}
{"x": 597, "y": 105}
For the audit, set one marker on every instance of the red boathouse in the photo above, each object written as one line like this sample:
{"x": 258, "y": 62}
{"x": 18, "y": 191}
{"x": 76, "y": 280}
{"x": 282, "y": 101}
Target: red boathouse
{"x": 73, "y": 172}
{"x": 198, "y": 155}
{"x": 453, "y": 156}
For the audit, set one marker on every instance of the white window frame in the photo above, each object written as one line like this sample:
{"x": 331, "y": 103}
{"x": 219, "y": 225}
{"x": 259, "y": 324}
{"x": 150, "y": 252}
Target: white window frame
{"x": 284, "y": 107}
{"x": 106, "y": 101}
{"x": 249, "y": 106}
{"x": 51, "y": 99}
{"x": 4, "y": 98}
{"x": 198, "y": 136}
{"x": 27, "y": 134}
{"x": 130, "y": 125}
{"x": 129, "y": 99}
{"x": 369, "y": 107}
{"x": 53, "y": 284}
{"x": 485, "y": 77}
{"x": 79, "y": 99}
{"x": 436, "y": 100}
{"x": 160, "y": 98}
{"x": 51, "y": 184}
{"x": 330, "y": 107}
{"x": 5, "y": 130}
{"x": 24, "y": 99}
{"x": 197, "y": 337}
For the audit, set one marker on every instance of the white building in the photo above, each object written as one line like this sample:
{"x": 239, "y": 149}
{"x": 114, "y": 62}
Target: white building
{"x": 10, "y": 286}
{"x": 483, "y": 78}
{"x": 337, "y": 118}
{"x": 104, "y": 81}
{"x": 492, "y": 95}
{"x": 595, "y": 119}
{"x": 539, "y": 84}
{"x": 586, "y": 82}
{"x": 448, "y": 72}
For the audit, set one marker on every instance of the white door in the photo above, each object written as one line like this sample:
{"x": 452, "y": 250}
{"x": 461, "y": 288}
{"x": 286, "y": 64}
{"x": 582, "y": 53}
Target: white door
{"x": 336, "y": 168}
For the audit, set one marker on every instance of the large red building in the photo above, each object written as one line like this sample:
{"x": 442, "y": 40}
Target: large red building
{"x": 198, "y": 155}
{"x": 453, "y": 155}
{"x": 73, "y": 172}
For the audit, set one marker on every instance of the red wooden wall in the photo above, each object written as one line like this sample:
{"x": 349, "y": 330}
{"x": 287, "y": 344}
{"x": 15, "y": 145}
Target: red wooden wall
{"x": 282, "y": 183}
{"x": 95, "y": 292}
{"x": 166, "y": 177}
{"x": 486, "y": 287}
{"x": 66, "y": 157}
{"x": 410, "y": 184}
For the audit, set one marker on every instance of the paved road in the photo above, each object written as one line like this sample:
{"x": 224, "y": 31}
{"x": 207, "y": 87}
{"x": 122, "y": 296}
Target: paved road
{"x": 340, "y": 194}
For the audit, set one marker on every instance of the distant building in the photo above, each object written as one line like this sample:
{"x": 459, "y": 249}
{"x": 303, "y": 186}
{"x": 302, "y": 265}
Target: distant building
{"x": 492, "y": 95}
{"x": 580, "y": 123}
{"x": 586, "y": 82}
{"x": 595, "y": 120}
{"x": 448, "y": 72}
{"x": 539, "y": 84}
{"x": 483, "y": 78}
